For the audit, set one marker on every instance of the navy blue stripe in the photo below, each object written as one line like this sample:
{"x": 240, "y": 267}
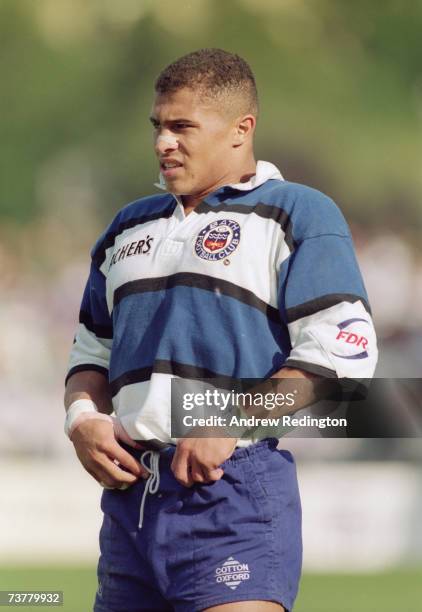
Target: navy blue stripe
{"x": 266, "y": 211}
{"x": 101, "y": 331}
{"x": 86, "y": 367}
{"x": 312, "y": 368}
{"x": 345, "y": 389}
{"x": 321, "y": 303}
{"x": 211, "y": 331}
{"x": 198, "y": 281}
{"x": 130, "y": 378}
{"x": 163, "y": 366}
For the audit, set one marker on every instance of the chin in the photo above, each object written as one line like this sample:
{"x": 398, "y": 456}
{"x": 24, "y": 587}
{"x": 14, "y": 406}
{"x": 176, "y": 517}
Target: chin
{"x": 178, "y": 188}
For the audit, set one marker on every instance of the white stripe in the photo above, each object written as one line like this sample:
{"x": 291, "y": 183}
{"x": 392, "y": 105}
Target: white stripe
{"x": 144, "y": 409}
{"x": 314, "y": 340}
{"x": 261, "y": 247}
{"x": 137, "y": 232}
{"x": 88, "y": 349}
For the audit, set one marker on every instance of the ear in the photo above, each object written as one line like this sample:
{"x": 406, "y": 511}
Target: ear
{"x": 243, "y": 129}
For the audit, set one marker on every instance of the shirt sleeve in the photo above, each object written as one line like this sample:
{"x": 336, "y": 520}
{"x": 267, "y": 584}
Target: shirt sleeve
{"x": 323, "y": 301}
{"x": 92, "y": 345}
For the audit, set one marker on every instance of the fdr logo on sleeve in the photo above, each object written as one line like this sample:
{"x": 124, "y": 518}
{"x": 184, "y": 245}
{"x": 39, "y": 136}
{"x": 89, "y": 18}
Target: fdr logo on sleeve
{"x": 218, "y": 240}
{"x": 352, "y": 337}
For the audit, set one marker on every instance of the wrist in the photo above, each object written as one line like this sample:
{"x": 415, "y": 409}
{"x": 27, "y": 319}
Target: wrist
{"x": 79, "y": 411}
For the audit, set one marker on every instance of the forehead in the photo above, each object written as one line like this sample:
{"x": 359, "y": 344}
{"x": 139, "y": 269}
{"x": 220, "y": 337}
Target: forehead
{"x": 184, "y": 103}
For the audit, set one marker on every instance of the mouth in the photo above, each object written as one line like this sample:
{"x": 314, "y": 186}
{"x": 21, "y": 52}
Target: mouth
{"x": 170, "y": 168}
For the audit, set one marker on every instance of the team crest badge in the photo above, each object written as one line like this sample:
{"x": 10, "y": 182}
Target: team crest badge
{"x": 218, "y": 240}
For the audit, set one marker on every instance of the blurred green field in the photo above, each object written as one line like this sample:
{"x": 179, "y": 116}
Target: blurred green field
{"x": 386, "y": 592}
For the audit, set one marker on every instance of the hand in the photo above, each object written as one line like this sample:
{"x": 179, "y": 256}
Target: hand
{"x": 198, "y": 459}
{"x": 103, "y": 457}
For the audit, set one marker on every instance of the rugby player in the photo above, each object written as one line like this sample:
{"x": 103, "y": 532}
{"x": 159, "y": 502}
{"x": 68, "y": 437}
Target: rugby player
{"x": 233, "y": 272}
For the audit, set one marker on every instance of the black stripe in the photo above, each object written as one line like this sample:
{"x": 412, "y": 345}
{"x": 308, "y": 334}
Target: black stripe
{"x": 199, "y": 281}
{"x": 163, "y": 366}
{"x": 321, "y": 303}
{"x": 110, "y": 238}
{"x": 313, "y": 368}
{"x": 348, "y": 389}
{"x": 130, "y": 378}
{"x": 86, "y": 367}
{"x": 354, "y": 389}
{"x": 266, "y": 211}
{"x": 101, "y": 331}
{"x": 184, "y": 370}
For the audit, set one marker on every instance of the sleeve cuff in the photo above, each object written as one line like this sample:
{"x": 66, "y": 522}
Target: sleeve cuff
{"x": 86, "y": 367}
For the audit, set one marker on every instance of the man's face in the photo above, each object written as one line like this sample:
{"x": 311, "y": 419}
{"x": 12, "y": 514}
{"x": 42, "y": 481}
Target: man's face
{"x": 197, "y": 136}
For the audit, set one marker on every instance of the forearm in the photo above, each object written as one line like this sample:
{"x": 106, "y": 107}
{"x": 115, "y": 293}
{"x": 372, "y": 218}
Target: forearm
{"x": 306, "y": 389}
{"x": 89, "y": 385}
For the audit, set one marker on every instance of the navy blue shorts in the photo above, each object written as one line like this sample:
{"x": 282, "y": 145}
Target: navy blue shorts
{"x": 236, "y": 539}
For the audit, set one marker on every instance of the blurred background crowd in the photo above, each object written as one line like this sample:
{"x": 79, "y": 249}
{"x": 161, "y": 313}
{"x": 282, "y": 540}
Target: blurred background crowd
{"x": 341, "y": 110}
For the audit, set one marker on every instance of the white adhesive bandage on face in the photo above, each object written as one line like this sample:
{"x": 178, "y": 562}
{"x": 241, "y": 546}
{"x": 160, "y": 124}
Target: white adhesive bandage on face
{"x": 170, "y": 140}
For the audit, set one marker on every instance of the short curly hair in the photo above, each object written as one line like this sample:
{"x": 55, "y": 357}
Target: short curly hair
{"x": 216, "y": 74}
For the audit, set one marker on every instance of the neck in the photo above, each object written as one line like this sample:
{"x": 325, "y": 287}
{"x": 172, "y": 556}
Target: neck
{"x": 190, "y": 202}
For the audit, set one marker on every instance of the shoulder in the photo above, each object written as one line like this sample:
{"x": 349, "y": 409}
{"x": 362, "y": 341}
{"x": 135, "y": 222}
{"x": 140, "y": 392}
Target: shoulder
{"x": 135, "y": 213}
{"x": 153, "y": 205}
{"x": 310, "y": 212}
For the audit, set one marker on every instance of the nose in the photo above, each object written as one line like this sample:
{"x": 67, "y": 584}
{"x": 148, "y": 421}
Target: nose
{"x": 165, "y": 143}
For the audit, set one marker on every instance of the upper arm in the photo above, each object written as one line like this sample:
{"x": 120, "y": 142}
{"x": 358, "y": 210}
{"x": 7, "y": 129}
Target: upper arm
{"x": 92, "y": 345}
{"x": 323, "y": 301}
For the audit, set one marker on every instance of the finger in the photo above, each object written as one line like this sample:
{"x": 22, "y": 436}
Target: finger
{"x": 144, "y": 473}
{"x": 127, "y": 461}
{"x": 92, "y": 473}
{"x": 118, "y": 474}
{"x": 214, "y": 475}
{"x": 197, "y": 473}
{"x": 122, "y": 487}
{"x": 100, "y": 476}
{"x": 180, "y": 467}
{"x": 209, "y": 473}
{"x": 109, "y": 474}
{"x": 103, "y": 484}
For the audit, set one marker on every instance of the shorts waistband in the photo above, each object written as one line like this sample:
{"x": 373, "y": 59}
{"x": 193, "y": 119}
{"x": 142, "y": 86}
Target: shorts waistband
{"x": 240, "y": 453}
{"x": 246, "y": 452}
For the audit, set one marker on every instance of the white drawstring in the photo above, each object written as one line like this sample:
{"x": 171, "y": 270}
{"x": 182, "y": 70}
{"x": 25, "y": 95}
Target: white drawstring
{"x": 153, "y": 482}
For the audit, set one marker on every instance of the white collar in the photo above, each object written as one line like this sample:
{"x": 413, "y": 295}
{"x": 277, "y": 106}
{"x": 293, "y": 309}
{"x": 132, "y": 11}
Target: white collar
{"x": 264, "y": 172}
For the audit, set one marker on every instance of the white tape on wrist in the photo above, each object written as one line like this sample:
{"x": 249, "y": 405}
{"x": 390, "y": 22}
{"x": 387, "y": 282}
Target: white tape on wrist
{"x": 79, "y": 411}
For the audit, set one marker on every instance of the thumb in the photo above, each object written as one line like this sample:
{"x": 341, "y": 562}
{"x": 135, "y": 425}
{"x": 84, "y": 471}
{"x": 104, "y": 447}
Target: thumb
{"x": 216, "y": 474}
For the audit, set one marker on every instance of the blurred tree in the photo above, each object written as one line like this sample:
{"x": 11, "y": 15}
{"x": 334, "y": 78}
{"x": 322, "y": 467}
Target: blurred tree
{"x": 340, "y": 84}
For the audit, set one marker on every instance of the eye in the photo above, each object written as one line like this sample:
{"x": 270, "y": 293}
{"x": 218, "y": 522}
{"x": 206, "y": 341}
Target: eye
{"x": 181, "y": 126}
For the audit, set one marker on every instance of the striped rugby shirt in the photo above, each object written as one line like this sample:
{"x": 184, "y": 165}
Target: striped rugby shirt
{"x": 260, "y": 275}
